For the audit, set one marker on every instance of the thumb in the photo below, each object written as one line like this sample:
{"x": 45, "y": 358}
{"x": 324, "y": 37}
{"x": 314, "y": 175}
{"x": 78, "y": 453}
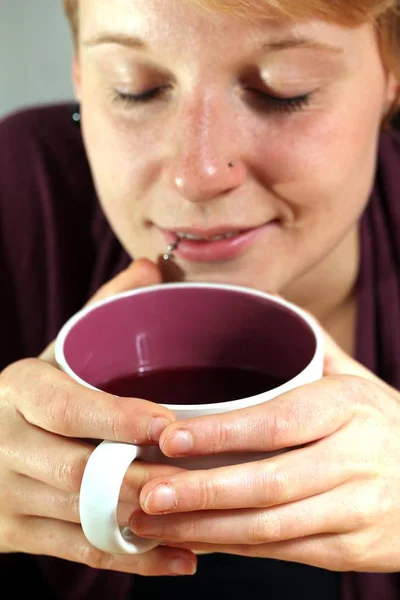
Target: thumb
{"x": 338, "y": 362}
{"x": 140, "y": 273}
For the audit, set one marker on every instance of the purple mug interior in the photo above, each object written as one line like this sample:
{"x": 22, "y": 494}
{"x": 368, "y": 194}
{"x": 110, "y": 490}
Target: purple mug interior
{"x": 187, "y": 325}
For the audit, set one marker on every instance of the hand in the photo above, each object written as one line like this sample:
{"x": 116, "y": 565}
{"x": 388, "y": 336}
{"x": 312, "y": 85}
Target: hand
{"x": 332, "y": 500}
{"x": 47, "y": 422}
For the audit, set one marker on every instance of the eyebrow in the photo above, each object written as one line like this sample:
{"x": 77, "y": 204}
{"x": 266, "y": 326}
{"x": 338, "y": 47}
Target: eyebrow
{"x": 122, "y": 39}
{"x": 136, "y": 43}
{"x": 301, "y": 43}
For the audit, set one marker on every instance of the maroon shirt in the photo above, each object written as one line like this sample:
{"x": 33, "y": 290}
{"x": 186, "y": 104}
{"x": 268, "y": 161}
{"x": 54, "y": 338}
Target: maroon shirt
{"x": 56, "y": 249}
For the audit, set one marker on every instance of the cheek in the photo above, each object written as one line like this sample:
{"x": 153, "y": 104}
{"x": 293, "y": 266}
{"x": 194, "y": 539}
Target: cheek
{"x": 121, "y": 153}
{"x": 320, "y": 156}
{"x": 114, "y": 164}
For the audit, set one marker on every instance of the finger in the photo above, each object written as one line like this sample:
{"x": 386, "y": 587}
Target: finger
{"x": 338, "y": 362}
{"x": 24, "y": 496}
{"x": 21, "y": 495}
{"x": 341, "y": 553}
{"x": 325, "y": 513}
{"x": 326, "y": 551}
{"x": 285, "y": 478}
{"x": 51, "y": 400}
{"x": 349, "y": 552}
{"x": 140, "y": 273}
{"x": 60, "y": 463}
{"x": 66, "y": 541}
{"x": 297, "y": 417}
{"x": 33, "y": 498}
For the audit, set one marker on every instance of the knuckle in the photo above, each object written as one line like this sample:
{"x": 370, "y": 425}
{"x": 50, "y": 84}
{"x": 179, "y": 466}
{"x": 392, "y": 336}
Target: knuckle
{"x": 207, "y": 494}
{"x": 346, "y": 388}
{"x": 8, "y": 497}
{"x": 267, "y": 528}
{"x": 372, "y": 504}
{"x": 58, "y": 409}
{"x": 9, "y": 437}
{"x": 276, "y": 426}
{"x": 9, "y": 537}
{"x": 71, "y": 507}
{"x": 355, "y": 390}
{"x": 9, "y": 378}
{"x": 364, "y": 514}
{"x": 194, "y": 532}
{"x": 350, "y": 552}
{"x": 14, "y": 368}
{"x": 219, "y": 437}
{"x": 96, "y": 559}
{"x": 17, "y": 372}
{"x": 121, "y": 426}
{"x": 70, "y": 473}
{"x": 5, "y": 387}
{"x": 275, "y": 485}
{"x": 356, "y": 398}
{"x": 148, "y": 567}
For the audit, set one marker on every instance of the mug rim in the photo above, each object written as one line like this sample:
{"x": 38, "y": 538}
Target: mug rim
{"x": 312, "y": 324}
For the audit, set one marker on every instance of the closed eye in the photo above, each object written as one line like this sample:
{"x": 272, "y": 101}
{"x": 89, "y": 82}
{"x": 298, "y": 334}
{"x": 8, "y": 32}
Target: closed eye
{"x": 147, "y": 96}
{"x": 279, "y": 103}
{"x": 268, "y": 101}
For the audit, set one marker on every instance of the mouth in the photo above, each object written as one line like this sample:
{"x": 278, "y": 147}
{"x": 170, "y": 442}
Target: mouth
{"x": 216, "y": 244}
{"x": 208, "y": 236}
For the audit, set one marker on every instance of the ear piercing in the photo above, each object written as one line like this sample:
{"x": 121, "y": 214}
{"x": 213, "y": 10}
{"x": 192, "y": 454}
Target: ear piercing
{"x": 76, "y": 115}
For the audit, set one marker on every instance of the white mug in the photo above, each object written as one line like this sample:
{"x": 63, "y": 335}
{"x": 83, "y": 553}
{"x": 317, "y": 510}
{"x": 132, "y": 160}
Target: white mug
{"x": 178, "y": 325}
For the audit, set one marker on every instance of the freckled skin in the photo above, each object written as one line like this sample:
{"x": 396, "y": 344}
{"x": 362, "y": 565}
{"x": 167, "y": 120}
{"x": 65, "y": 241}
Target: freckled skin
{"x": 164, "y": 163}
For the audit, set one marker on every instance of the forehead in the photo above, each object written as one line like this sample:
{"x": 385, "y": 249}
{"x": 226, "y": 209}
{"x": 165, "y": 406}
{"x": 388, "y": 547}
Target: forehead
{"x": 178, "y": 18}
{"x": 185, "y": 27}
{"x": 168, "y": 15}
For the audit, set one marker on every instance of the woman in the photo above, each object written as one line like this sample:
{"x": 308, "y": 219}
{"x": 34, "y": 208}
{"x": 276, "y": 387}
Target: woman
{"x": 253, "y": 134}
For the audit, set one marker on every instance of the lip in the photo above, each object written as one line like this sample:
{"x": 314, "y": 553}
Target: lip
{"x": 213, "y": 251}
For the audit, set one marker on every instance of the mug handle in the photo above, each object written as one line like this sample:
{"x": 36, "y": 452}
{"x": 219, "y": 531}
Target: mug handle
{"x": 99, "y": 494}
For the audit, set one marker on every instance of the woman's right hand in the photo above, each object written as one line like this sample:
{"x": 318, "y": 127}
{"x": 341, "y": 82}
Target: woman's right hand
{"x": 48, "y": 427}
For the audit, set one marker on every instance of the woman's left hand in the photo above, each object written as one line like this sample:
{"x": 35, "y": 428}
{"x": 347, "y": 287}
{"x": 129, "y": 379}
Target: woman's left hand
{"x": 331, "y": 500}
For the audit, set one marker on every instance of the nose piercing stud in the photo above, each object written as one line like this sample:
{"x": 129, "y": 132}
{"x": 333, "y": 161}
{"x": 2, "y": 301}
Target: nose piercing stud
{"x": 231, "y": 164}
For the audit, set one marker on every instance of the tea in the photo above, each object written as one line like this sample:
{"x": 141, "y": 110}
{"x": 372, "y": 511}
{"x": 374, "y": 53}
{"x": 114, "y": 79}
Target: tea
{"x": 193, "y": 385}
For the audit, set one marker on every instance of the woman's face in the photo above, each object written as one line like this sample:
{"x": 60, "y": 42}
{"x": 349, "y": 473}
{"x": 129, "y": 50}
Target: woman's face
{"x": 254, "y": 141}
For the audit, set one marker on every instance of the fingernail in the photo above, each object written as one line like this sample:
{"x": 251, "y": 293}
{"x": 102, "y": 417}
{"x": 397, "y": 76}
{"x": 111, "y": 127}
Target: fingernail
{"x": 182, "y": 566}
{"x": 161, "y": 499}
{"x": 179, "y": 443}
{"x": 157, "y": 426}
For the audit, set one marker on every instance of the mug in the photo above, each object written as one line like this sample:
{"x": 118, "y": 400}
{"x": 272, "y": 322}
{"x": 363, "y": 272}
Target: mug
{"x": 200, "y": 348}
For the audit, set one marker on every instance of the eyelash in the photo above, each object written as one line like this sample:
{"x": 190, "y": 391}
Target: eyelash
{"x": 276, "y": 103}
{"x": 285, "y": 105}
{"x": 147, "y": 96}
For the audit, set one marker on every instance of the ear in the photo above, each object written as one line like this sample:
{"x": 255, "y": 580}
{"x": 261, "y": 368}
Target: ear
{"x": 392, "y": 93}
{"x": 76, "y": 77}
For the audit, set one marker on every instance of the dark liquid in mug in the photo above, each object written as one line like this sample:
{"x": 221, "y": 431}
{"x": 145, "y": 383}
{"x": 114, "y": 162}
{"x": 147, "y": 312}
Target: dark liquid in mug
{"x": 193, "y": 385}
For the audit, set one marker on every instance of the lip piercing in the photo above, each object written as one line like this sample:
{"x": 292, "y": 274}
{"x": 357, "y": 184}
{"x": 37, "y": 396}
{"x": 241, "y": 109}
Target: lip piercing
{"x": 170, "y": 249}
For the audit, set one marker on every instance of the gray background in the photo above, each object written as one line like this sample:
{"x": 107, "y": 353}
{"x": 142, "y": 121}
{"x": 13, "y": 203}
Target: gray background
{"x": 35, "y": 54}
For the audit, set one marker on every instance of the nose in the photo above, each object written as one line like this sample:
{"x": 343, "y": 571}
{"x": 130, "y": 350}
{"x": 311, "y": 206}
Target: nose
{"x": 205, "y": 161}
